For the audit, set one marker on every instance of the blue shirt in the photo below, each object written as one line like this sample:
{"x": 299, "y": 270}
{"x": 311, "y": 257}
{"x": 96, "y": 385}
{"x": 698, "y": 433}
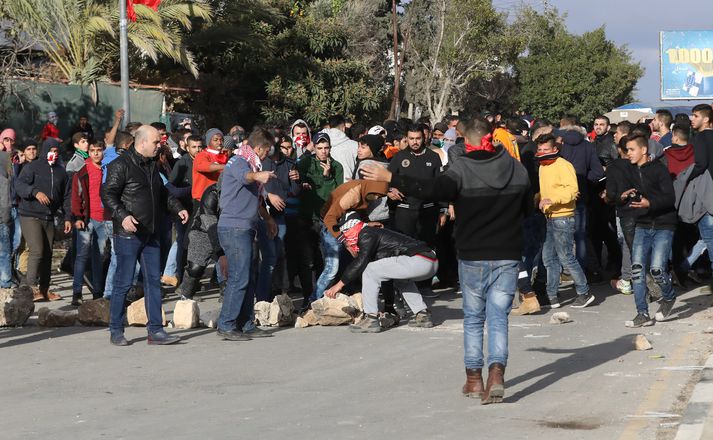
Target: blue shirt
{"x": 238, "y": 198}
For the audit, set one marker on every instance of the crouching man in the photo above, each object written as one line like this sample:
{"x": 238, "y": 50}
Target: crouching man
{"x": 382, "y": 255}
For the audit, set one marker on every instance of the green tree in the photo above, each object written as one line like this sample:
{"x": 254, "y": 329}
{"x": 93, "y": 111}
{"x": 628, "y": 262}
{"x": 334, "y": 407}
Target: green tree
{"x": 80, "y": 37}
{"x": 454, "y": 42}
{"x": 326, "y": 65}
{"x": 583, "y": 75}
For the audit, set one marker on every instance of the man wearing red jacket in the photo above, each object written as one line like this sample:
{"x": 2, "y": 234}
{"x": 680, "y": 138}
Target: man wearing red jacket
{"x": 91, "y": 221}
{"x": 50, "y": 129}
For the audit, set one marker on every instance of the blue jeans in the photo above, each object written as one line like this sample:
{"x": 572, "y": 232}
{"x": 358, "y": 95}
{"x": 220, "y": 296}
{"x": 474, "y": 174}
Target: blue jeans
{"x": 558, "y": 250}
{"x": 16, "y": 230}
{"x": 176, "y": 255}
{"x": 129, "y": 250}
{"x": 488, "y": 290}
{"x": 330, "y": 252}
{"x": 5, "y": 255}
{"x": 698, "y": 249}
{"x": 102, "y": 232}
{"x": 270, "y": 249}
{"x": 237, "y": 245}
{"x": 705, "y": 227}
{"x": 651, "y": 250}
{"x": 580, "y": 233}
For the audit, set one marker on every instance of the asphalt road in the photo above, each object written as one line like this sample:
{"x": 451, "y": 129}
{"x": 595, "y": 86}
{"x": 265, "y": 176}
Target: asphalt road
{"x": 580, "y": 380}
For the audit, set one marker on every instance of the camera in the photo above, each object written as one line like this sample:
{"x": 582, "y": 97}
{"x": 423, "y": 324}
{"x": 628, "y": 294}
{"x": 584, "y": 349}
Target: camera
{"x": 634, "y": 196}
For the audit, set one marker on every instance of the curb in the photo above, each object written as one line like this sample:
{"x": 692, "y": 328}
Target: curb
{"x": 698, "y": 418}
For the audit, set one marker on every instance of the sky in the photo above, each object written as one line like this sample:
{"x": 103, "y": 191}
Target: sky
{"x": 634, "y": 23}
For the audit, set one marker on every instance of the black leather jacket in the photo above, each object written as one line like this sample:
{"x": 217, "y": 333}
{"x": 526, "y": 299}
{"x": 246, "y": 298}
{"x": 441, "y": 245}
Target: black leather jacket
{"x": 133, "y": 187}
{"x": 205, "y": 218}
{"x": 377, "y": 243}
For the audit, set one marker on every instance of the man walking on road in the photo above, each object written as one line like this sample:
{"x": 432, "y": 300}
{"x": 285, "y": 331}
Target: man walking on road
{"x": 491, "y": 193}
{"x": 137, "y": 199}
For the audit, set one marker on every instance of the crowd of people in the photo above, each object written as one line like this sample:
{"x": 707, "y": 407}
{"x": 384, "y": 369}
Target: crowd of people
{"x": 509, "y": 211}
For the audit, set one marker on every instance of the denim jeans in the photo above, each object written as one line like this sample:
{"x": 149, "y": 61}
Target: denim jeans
{"x": 651, "y": 250}
{"x": 16, "y": 230}
{"x": 330, "y": 252}
{"x": 176, "y": 254}
{"x": 130, "y": 249}
{"x": 5, "y": 255}
{"x": 557, "y": 251}
{"x": 488, "y": 290}
{"x": 698, "y": 249}
{"x": 270, "y": 249}
{"x": 580, "y": 233}
{"x": 85, "y": 252}
{"x": 237, "y": 245}
{"x": 705, "y": 227}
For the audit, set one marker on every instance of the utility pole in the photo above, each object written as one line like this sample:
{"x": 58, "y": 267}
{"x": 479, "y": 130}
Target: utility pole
{"x": 124, "y": 55}
{"x": 396, "y": 99}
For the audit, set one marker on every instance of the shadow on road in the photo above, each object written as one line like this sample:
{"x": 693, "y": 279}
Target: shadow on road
{"x": 578, "y": 361}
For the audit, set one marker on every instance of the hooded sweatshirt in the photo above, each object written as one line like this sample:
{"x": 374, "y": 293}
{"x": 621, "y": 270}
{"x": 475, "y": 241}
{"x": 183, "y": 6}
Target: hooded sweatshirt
{"x": 558, "y": 182}
{"x": 202, "y": 178}
{"x": 491, "y": 195}
{"x": 578, "y": 151}
{"x": 677, "y": 158}
{"x": 344, "y": 151}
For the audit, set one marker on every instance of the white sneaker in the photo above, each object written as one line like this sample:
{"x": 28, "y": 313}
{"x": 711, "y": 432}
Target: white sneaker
{"x": 555, "y": 306}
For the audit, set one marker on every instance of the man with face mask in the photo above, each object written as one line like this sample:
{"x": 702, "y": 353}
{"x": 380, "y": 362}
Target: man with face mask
{"x": 382, "y": 255}
{"x": 45, "y": 193}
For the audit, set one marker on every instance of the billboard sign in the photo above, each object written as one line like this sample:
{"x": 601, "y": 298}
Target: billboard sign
{"x": 687, "y": 65}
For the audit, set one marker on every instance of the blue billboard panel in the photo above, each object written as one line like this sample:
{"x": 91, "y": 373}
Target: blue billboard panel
{"x": 687, "y": 65}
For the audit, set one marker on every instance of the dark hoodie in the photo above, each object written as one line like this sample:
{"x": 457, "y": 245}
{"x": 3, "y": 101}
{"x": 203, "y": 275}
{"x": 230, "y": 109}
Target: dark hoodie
{"x": 38, "y": 176}
{"x": 582, "y": 155}
{"x": 491, "y": 193}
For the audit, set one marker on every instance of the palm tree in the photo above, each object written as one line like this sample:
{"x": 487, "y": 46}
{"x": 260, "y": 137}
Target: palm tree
{"x": 80, "y": 36}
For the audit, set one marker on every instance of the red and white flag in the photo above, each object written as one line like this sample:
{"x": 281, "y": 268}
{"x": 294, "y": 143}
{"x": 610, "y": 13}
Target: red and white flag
{"x": 131, "y": 15}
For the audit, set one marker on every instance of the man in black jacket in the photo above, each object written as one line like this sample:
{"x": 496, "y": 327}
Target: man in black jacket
{"x": 415, "y": 216}
{"x": 44, "y": 192}
{"x": 651, "y": 194}
{"x": 491, "y": 195}
{"x": 137, "y": 199}
{"x": 382, "y": 255}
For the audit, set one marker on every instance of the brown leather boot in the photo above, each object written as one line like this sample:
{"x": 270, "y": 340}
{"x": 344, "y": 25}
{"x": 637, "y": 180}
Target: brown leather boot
{"x": 50, "y": 296}
{"x": 495, "y": 389}
{"x": 473, "y": 383}
{"x": 37, "y": 296}
{"x": 528, "y": 305}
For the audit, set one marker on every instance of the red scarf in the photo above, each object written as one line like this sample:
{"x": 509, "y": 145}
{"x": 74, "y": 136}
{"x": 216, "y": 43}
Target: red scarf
{"x": 486, "y": 144}
{"x": 217, "y": 156}
{"x": 350, "y": 237}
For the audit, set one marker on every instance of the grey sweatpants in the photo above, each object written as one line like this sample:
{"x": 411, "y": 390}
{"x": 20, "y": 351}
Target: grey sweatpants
{"x": 405, "y": 271}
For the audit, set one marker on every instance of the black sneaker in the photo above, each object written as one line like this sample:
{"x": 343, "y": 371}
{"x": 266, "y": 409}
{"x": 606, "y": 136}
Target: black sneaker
{"x": 583, "y": 301}
{"x": 422, "y": 319}
{"x": 258, "y": 333}
{"x": 427, "y": 292}
{"x": 641, "y": 320}
{"x": 233, "y": 335}
{"x": 118, "y": 340}
{"x": 162, "y": 338}
{"x": 665, "y": 308}
{"x": 367, "y": 324}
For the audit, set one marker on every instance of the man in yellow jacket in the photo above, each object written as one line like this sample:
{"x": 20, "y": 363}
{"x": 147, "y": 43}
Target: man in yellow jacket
{"x": 558, "y": 196}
